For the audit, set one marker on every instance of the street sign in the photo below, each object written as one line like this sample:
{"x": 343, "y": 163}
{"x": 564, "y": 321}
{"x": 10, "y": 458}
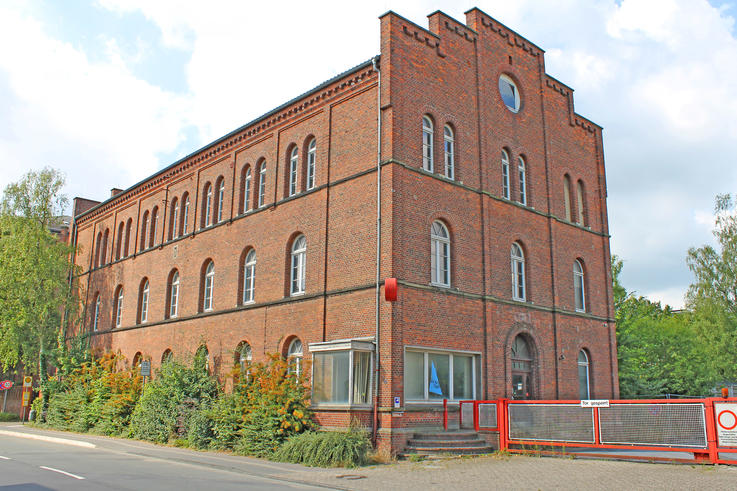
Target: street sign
{"x": 26, "y": 397}
{"x": 146, "y": 368}
{"x": 27, "y": 381}
{"x": 6, "y": 384}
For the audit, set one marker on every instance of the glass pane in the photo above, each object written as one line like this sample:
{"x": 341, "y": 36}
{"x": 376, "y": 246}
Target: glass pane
{"x": 414, "y": 375}
{"x": 438, "y": 376}
{"x": 462, "y": 377}
{"x": 330, "y": 372}
{"x": 583, "y": 381}
{"x": 361, "y": 377}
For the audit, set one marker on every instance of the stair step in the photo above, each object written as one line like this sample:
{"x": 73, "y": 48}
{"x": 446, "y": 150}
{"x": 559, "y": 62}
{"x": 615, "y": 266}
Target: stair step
{"x": 446, "y": 443}
{"x": 447, "y": 435}
{"x": 449, "y": 450}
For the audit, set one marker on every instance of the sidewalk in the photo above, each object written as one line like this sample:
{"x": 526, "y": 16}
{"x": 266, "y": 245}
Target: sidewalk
{"x": 490, "y": 472}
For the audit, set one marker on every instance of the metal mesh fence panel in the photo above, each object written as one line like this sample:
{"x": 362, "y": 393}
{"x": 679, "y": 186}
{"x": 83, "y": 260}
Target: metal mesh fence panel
{"x": 678, "y": 425}
{"x": 467, "y": 416}
{"x": 487, "y": 415}
{"x": 552, "y": 422}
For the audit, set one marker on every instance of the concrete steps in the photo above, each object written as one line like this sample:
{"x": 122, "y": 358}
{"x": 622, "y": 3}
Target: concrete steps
{"x": 446, "y": 443}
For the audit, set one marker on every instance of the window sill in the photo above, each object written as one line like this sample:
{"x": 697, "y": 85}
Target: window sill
{"x": 439, "y": 285}
{"x": 340, "y": 407}
{"x": 296, "y": 294}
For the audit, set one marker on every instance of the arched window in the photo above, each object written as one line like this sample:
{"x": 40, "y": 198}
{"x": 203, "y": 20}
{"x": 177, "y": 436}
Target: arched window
{"x": 299, "y": 253}
{"x": 311, "y": 155}
{"x": 584, "y": 384}
{"x": 249, "y": 276}
{"x": 208, "y": 283}
{"x": 581, "y": 203}
{"x": 174, "y": 219}
{"x": 579, "y": 291}
{"x": 243, "y": 355}
{"x": 128, "y": 232}
{"x": 103, "y": 251}
{"x": 119, "y": 241}
{"x": 206, "y": 206}
{"x": 137, "y": 359}
{"x": 294, "y": 356}
{"x": 118, "y": 305}
{"x": 96, "y": 313}
{"x": 522, "y": 363}
{"x": 166, "y": 356}
{"x": 246, "y": 184}
{"x": 220, "y": 186}
{"x": 261, "y": 185}
{"x": 522, "y": 181}
{"x": 173, "y": 294}
{"x": 154, "y": 237}
{"x": 427, "y": 144}
{"x": 202, "y": 358}
{"x": 567, "y": 195}
{"x": 98, "y": 247}
{"x": 440, "y": 254}
{"x": 293, "y": 167}
{"x": 518, "y": 273}
{"x": 184, "y": 227}
{"x": 505, "y": 175}
{"x": 144, "y": 230}
{"x": 450, "y": 152}
{"x": 143, "y": 302}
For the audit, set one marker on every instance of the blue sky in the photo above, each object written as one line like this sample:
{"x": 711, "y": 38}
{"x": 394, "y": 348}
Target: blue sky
{"x": 109, "y": 91}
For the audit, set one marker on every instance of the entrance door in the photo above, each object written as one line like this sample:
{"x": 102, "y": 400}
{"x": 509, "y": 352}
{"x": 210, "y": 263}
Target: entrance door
{"x": 522, "y": 387}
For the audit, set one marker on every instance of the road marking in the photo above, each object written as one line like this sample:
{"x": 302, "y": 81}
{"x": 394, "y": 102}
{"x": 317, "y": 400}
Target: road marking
{"x": 4, "y": 458}
{"x": 61, "y": 472}
{"x": 52, "y": 439}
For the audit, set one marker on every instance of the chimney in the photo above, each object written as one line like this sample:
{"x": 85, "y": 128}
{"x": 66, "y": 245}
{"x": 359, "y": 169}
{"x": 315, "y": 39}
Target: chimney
{"x": 114, "y": 192}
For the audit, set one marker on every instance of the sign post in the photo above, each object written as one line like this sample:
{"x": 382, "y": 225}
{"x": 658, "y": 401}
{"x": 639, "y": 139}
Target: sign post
{"x": 26, "y": 396}
{"x": 5, "y": 386}
{"x": 726, "y": 419}
{"x": 145, "y": 372}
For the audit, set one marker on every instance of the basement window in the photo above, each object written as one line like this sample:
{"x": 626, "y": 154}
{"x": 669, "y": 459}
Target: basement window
{"x": 342, "y": 372}
{"x": 509, "y": 92}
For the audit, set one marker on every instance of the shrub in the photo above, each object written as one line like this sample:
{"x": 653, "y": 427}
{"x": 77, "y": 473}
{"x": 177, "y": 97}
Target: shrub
{"x": 226, "y": 417}
{"x": 5, "y": 417}
{"x": 326, "y": 449}
{"x": 162, "y": 405}
{"x": 199, "y": 428}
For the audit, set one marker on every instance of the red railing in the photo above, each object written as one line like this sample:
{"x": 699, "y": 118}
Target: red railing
{"x": 704, "y": 428}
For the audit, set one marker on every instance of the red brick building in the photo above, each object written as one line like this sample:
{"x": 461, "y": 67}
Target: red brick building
{"x": 492, "y": 215}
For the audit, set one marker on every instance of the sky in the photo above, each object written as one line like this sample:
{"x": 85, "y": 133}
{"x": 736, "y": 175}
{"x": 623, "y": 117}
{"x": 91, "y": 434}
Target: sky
{"x": 110, "y": 91}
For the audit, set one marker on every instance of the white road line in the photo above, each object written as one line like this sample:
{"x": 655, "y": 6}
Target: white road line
{"x": 4, "y": 458}
{"x": 61, "y": 472}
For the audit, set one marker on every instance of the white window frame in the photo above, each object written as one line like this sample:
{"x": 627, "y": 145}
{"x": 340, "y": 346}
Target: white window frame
{"x": 475, "y": 356}
{"x": 185, "y": 216}
{"x": 154, "y": 226}
{"x": 295, "y": 353}
{"x": 587, "y": 365}
{"x": 439, "y": 254}
{"x": 96, "y": 320}
{"x": 208, "y": 287}
{"x": 293, "y": 167}
{"x": 519, "y": 287}
{"x": 581, "y": 217}
{"x": 249, "y": 277}
{"x": 352, "y": 346}
{"x": 174, "y": 296}
{"x": 244, "y": 348}
{"x": 311, "y": 156}
{"x": 506, "y": 191}
{"x": 262, "y": 185}
{"x": 298, "y": 263}
{"x": 119, "y": 308}
{"x": 221, "y": 197}
{"x": 517, "y": 101}
{"x": 449, "y": 140}
{"x": 579, "y": 287}
{"x": 427, "y": 144}
{"x": 144, "y": 302}
{"x": 247, "y": 192}
{"x": 521, "y": 167}
{"x": 175, "y": 220}
{"x": 208, "y": 205}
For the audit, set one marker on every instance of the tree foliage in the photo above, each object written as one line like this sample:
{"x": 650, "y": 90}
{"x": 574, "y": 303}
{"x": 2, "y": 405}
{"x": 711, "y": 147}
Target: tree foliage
{"x": 35, "y": 270}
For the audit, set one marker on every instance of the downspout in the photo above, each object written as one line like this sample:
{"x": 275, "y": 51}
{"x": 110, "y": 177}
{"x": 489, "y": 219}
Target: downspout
{"x": 375, "y": 62}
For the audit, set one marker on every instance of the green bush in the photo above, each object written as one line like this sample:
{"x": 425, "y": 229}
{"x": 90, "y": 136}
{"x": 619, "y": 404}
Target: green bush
{"x": 5, "y": 417}
{"x": 326, "y": 449}
{"x": 199, "y": 428}
{"x": 226, "y": 417}
{"x": 162, "y": 407}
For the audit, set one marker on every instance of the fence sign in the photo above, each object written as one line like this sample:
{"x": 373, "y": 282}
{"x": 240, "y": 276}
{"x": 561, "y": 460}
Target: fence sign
{"x": 595, "y": 403}
{"x": 726, "y": 416}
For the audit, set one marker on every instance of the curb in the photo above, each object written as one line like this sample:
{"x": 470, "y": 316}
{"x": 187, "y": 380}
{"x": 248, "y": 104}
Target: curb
{"x": 52, "y": 439}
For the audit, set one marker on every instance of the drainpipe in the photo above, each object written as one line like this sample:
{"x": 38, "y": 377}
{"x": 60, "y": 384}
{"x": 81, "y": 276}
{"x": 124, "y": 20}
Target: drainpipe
{"x": 377, "y": 372}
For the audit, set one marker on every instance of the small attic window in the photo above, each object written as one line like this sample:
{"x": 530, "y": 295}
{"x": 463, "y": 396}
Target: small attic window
{"x": 509, "y": 92}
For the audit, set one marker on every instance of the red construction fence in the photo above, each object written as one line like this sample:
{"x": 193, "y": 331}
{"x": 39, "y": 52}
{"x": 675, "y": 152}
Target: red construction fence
{"x": 689, "y": 430}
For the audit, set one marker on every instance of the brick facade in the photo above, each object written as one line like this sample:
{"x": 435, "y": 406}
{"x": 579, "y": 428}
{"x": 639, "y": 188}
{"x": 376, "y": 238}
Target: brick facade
{"x": 450, "y": 74}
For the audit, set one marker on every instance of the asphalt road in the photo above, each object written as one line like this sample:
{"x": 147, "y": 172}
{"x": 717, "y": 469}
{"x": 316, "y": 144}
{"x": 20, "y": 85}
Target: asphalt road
{"x": 29, "y": 465}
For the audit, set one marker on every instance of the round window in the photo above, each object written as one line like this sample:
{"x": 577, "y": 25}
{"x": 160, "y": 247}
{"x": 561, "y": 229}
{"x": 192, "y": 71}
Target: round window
{"x": 509, "y": 92}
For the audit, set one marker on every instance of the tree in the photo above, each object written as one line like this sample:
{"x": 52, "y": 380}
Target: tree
{"x": 713, "y": 294}
{"x": 35, "y": 272}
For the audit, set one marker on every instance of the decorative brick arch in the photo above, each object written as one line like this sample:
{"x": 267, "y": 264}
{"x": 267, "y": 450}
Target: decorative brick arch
{"x": 533, "y": 343}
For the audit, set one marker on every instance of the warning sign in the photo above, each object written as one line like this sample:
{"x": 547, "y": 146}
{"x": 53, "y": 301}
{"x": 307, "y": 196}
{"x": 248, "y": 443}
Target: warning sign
{"x": 726, "y": 416}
